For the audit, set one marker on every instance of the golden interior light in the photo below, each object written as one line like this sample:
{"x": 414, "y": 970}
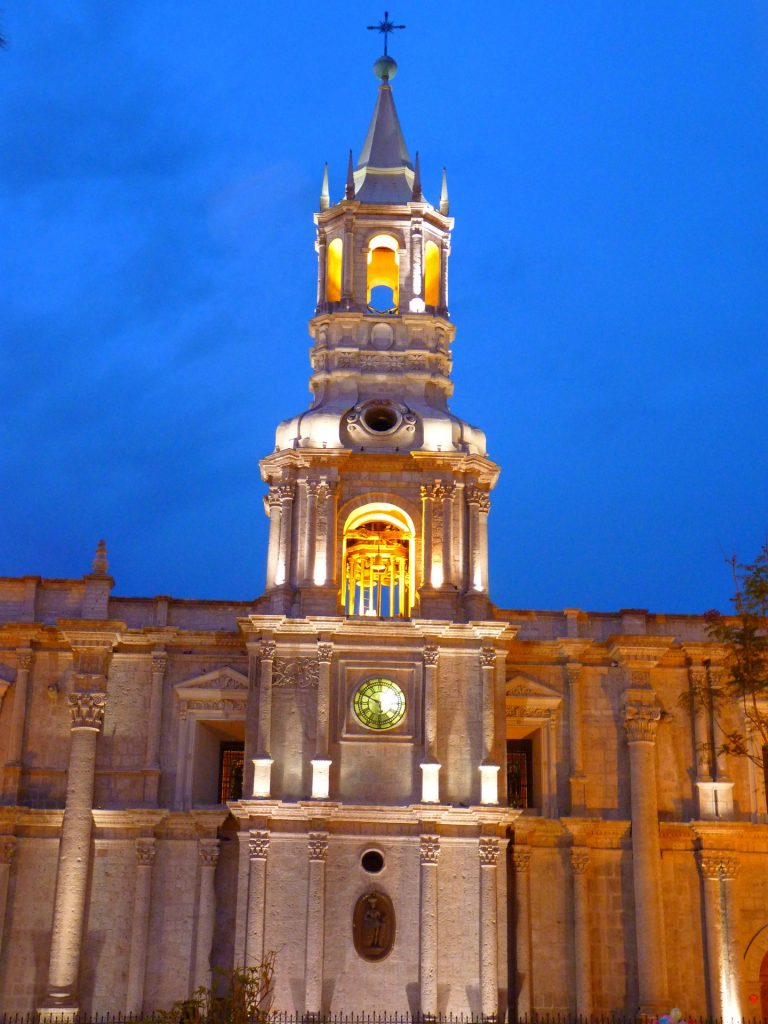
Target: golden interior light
{"x": 383, "y": 266}
{"x": 333, "y": 271}
{"x": 378, "y": 560}
{"x": 431, "y": 274}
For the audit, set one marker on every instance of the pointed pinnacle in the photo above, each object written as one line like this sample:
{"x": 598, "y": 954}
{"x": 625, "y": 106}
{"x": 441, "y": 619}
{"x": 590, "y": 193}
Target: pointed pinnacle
{"x": 100, "y": 564}
{"x": 417, "y": 195}
{"x": 445, "y": 206}
{"x": 349, "y": 192}
{"x": 325, "y": 195}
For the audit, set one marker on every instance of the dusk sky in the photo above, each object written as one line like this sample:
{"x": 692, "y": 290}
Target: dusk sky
{"x": 160, "y": 162}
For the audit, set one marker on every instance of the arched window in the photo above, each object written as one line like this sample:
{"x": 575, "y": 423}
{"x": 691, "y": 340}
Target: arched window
{"x": 431, "y": 274}
{"x": 383, "y": 282}
{"x": 333, "y": 271}
{"x": 378, "y": 562}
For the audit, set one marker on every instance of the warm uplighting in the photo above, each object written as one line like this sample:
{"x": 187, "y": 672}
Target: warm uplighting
{"x": 430, "y": 783}
{"x": 262, "y": 771}
{"x": 321, "y": 769}
{"x": 333, "y": 272}
{"x": 431, "y": 274}
{"x": 384, "y": 266}
{"x": 489, "y": 783}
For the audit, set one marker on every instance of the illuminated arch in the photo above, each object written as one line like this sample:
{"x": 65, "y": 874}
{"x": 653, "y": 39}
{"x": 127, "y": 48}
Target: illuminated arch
{"x": 431, "y": 274}
{"x": 333, "y": 271}
{"x": 378, "y": 561}
{"x": 383, "y": 267}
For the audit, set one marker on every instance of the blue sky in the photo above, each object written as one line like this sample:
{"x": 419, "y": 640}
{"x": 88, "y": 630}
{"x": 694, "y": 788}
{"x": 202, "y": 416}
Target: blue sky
{"x": 608, "y": 164}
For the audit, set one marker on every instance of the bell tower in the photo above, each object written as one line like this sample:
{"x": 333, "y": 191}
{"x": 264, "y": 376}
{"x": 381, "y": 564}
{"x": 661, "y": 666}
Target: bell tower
{"x": 378, "y": 493}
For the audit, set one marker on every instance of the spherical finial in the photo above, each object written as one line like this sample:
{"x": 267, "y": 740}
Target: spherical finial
{"x": 385, "y": 68}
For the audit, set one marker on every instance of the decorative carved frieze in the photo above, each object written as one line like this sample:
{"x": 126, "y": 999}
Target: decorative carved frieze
{"x": 521, "y": 858}
{"x": 24, "y": 659}
{"x": 431, "y": 654}
{"x": 145, "y": 852}
{"x": 579, "y": 861}
{"x": 267, "y": 650}
{"x": 641, "y": 720}
{"x": 720, "y": 866}
{"x": 159, "y": 662}
{"x": 208, "y": 851}
{"x": 87, "y": 709}
{"x": 429, "y": 849}
{"x": 488, "y": 657}
{"x": 258, "y": 845}
{"x": 488, "y": 851}
{"x": 7, "y": 849}
{"x": 295, "y": 673}
{"x": 478, "y": 496}
{"x": 317, "y": 845}
{"x": 325, "y": 653}
{"x": 519, "y": 711}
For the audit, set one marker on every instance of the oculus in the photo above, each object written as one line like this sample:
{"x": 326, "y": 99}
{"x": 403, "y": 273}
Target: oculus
{"x": 379, "y": 704}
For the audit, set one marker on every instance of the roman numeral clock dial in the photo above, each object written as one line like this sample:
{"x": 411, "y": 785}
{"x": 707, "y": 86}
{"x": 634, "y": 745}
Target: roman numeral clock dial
{"x": 379, "y": 704}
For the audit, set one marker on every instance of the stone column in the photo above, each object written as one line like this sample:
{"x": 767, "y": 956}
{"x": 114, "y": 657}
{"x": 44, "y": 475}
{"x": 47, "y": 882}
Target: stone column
{"x": 484, "y": 507}
{"x": 429, "y": 852}
{"x": 154, "y": 728}
{"x": 309, "y": 560}
{"x": 426, "y": 534}
{"x": 489, "y": 769}
{"x": 15, "y": 756}
{"x": 582, "y": 952}
{"x": 641, "y": 718}
{"x": 521, "y": 856}
{"x": 313, "y": 972}
{"x": 7, "y": 853}
{"x": 449, "y": 493}
{"x": 577, "y": 780}
{"x": 479, "y": 506}
{"x": 347, "y": 263}
{"x": 257, "y": 893}
{"x": 458, "y": 539}
{"x": 262, "y": 762}
{"x": 275, "y": 511}
{"x": 137, "y": 963}
{"x": 284, "y": 552}
{"x": 87, "y": 710}
{"x": 444, "y": 253}
{"x": 430, "y": 766}
{"x": 208, "y": 850}
{"x": 488, "y": 850}
{"x": 718, "y": 871}
{"x": 417, "y": 277}
{"x": 321, "y": 762}
{"x": 322, "y": 269}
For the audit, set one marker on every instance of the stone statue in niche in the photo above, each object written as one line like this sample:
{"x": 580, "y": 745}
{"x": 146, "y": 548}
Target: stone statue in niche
{"x": 373, "y": 926}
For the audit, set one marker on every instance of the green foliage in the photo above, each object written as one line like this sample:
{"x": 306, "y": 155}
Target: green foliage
{"x": 743, "y": 680}
{"x": 242, "y": 995}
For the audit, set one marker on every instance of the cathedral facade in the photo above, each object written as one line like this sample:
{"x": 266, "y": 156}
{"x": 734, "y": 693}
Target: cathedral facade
{"x": 423, "y": 803}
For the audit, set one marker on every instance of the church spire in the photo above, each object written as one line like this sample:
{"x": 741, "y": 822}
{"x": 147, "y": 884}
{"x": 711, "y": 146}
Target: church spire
{"x": 445, "y": 206}
{"x": 325, "y": 195}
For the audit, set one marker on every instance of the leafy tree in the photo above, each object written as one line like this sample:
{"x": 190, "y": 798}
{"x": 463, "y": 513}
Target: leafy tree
{"x": 743, "y": 681}
{"x": 242, "y": 995}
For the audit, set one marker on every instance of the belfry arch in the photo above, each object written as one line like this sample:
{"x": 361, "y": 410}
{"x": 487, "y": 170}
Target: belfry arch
{"x": 383, "y": 269}
{"x": 378, "y": 561}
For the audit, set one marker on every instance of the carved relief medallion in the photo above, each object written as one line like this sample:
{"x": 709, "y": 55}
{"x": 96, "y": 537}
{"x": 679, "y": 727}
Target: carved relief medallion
{"x": 373, "y": 926}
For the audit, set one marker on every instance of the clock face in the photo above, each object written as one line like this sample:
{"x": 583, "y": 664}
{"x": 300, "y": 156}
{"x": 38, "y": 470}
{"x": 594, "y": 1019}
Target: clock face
{"x": 379, "y": 704}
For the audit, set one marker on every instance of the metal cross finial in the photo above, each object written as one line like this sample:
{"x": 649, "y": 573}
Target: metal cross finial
{"x": 385, "y": 27}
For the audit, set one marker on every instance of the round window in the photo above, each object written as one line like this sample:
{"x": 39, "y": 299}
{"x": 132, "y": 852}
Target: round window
{"x": 372, "y": 862}
{"x": 380, "y": 418}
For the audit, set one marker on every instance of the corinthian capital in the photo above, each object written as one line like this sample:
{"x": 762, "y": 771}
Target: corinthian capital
{"x": 208, "y": 850}
{"x": 23, "y": 659}
{"x": 719, "y": 866}
{"x": 641, "y": 721}
{"x": 87, "y": 710}
{"x": 317, "y": 845}
{"x": 488, "y": 852}
{"x": 429, "y": 849}
{"x": 477, "y": 496}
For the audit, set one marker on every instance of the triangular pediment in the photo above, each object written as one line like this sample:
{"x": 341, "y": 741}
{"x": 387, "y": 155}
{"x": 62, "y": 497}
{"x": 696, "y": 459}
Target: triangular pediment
{"x": 219, "y": 680}
{"x": 525, "y": 687}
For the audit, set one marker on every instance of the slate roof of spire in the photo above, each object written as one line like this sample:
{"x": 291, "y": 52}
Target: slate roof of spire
{"x": 384, "y": 171}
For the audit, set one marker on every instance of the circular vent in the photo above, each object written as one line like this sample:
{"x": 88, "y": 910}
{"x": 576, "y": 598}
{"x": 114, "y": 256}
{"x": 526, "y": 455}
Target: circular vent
{"x": 372, "y": 862}
{"x": 380, "y": 418}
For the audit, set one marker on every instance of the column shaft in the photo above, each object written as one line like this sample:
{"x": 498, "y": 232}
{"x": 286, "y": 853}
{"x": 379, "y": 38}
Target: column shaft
{"x": 428, "y": 951}
{"x": 577, "y": 780}
{"x": 430, "y": 700}
{"x": 265, "y": 699}
{"x": 426, "y": 535}
{"x": 325, "y": 654}
{"x": 12, "y": 781}
{"x": 283, "y": 573}
{"x": 523, "y": 957}
{"x": 154, "y": 728}
{"x": 273, "y": 550}
{"x": 137, "y": 962}
{"x": 581, "y": 941}
{"x": 322, "y": 264}
{"x": 74, "y": 854}
{"x": 309, "y": 558}
{"x": 206, "y": 912}
{"x": 7, "y": 852}
{"x": 318, "y": 850}
{"x": 640, "y": 723}
{"x": 257, "y": 891}
{"x": 489, "y": 939}
{"x": 722, "y": 943}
